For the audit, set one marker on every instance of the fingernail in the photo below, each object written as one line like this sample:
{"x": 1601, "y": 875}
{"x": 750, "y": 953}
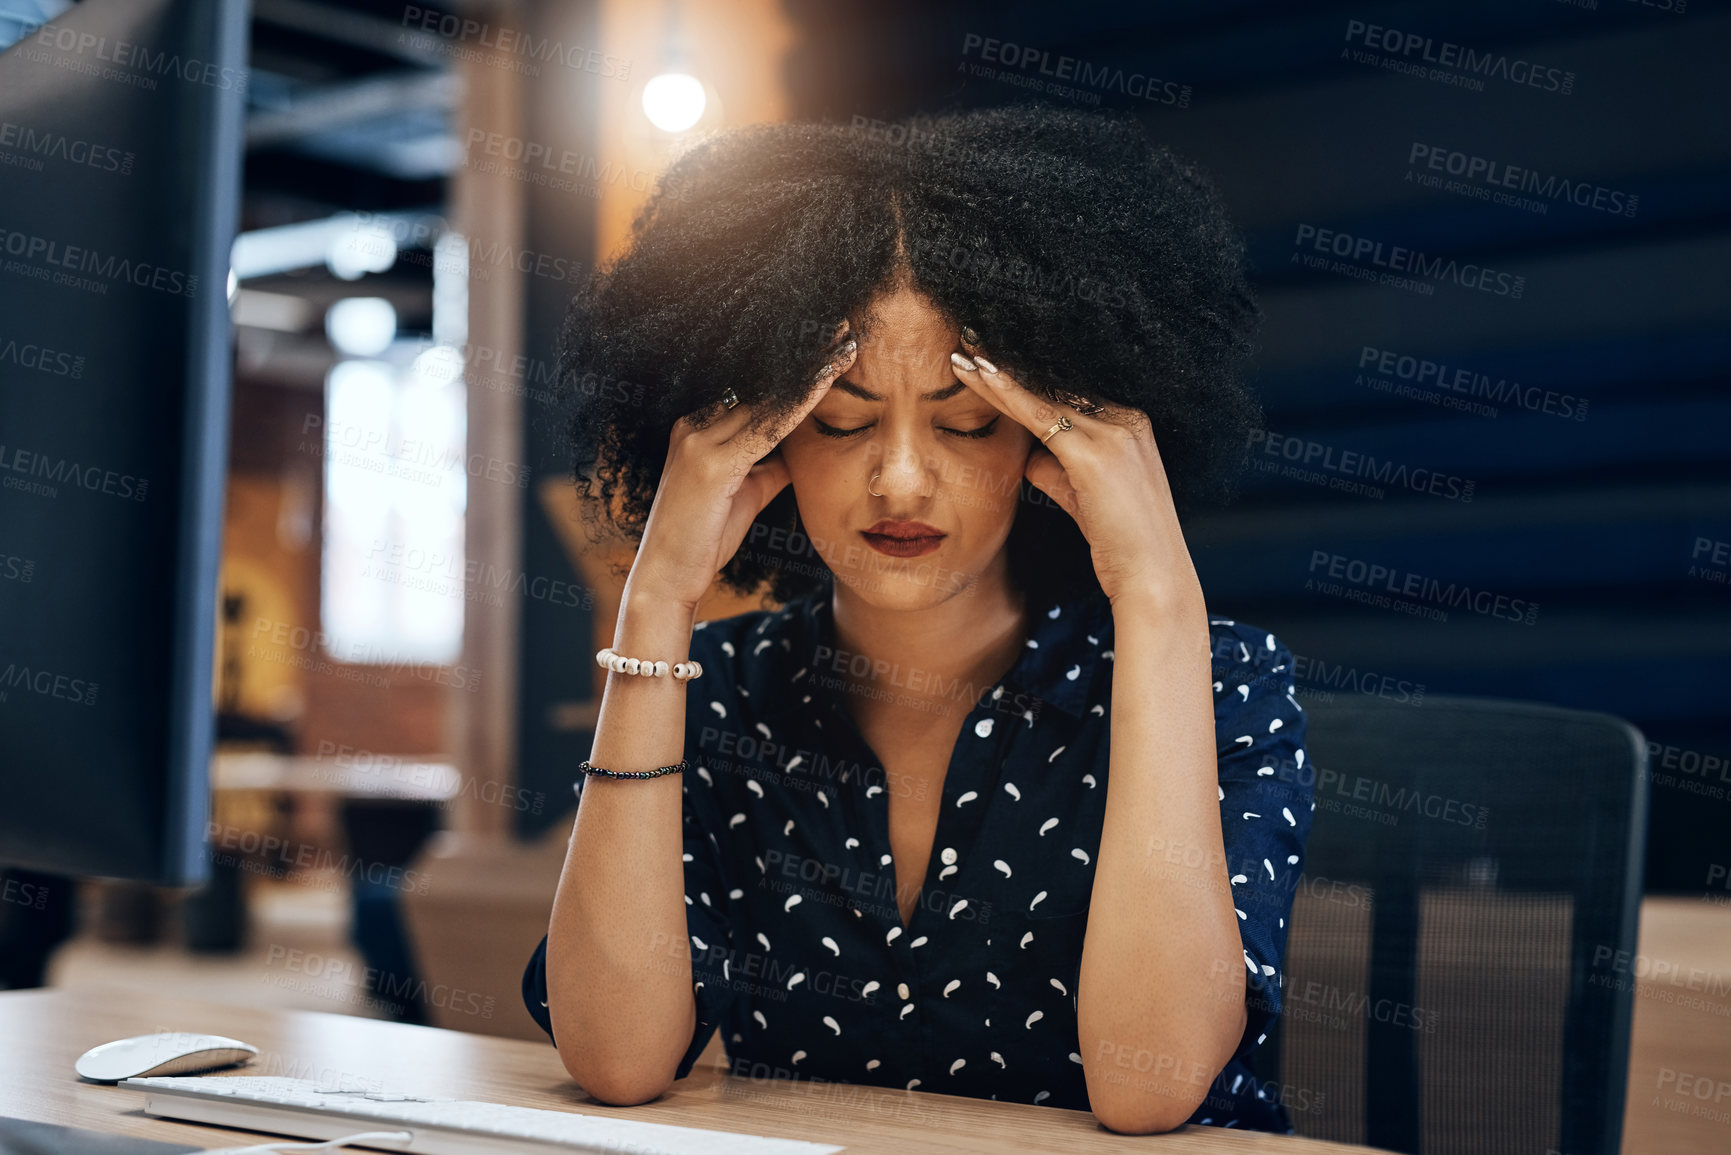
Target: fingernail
{"x": 985, "y": 364}
{"x": 962, "y": 361}
{"x": 848, "y": 348}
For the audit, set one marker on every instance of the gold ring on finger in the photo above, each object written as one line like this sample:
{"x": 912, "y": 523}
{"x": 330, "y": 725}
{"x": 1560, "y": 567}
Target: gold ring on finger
{"x": 1063, "y": 424}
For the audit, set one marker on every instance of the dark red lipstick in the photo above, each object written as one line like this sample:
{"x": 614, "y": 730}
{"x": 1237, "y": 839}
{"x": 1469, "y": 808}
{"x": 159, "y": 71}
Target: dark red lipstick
{"x": 903, "y": 538}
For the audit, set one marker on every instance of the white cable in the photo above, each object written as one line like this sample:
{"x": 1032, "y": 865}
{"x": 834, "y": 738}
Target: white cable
{"x": 305, "y": 1145}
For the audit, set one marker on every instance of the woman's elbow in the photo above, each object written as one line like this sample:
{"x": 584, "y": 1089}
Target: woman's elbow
{"x": 1145, "y": 1109}
{"x": 624, "y": 1081}
{"x": 1143, "y": 1118}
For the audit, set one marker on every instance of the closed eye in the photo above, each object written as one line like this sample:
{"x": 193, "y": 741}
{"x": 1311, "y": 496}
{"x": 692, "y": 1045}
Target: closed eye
{"x": 985, "y": 430}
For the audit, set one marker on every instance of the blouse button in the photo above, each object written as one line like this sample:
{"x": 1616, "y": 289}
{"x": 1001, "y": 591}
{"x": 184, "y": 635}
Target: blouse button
{"x": 902, "y": 990}
{"x": 948, "y": 854}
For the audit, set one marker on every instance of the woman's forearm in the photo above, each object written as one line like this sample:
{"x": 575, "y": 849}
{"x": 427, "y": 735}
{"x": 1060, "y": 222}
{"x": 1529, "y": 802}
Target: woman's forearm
{"x": 1160, "y": 1000}
{"x": 618, "y": 963}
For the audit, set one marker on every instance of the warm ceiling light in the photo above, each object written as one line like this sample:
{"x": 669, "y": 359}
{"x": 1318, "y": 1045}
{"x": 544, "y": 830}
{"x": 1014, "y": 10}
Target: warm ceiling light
{"x": 673, "y": 101}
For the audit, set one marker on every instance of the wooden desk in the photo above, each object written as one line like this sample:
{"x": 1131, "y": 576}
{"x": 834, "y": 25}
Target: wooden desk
{"x": 46, "y": 1030}
{"x": 1679, "y": 1096}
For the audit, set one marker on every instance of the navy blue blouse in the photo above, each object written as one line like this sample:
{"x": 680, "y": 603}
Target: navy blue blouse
{"x": 798, "y": 951}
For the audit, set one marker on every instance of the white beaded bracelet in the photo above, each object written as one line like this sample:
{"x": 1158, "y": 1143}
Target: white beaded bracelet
{"x": 644, "y": 667}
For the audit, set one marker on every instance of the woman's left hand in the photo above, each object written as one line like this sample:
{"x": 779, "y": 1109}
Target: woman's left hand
{"x": 1105, "y": 472}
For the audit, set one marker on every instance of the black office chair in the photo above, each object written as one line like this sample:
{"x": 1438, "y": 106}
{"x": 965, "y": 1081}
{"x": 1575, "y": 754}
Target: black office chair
{"x": 1452, "y": 979}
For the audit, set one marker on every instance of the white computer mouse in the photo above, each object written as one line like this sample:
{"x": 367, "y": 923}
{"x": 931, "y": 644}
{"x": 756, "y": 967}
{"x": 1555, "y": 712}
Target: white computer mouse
{"x": 167, "y": 1053}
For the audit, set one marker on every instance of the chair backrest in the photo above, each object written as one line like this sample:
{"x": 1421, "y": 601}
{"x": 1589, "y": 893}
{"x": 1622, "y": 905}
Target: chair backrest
{"x": 1453, "y": 979}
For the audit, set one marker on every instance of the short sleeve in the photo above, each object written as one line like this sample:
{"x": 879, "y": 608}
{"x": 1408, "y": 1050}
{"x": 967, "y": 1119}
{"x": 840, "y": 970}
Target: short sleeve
{"x": 708, "y": 895}
{"x": 1266, "y": 804}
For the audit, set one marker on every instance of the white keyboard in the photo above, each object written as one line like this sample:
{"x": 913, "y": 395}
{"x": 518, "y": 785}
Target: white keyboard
{"x": 309, "y": 1109}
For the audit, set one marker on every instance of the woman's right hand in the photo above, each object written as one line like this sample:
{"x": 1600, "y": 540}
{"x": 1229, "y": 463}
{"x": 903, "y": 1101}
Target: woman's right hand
{"x": 715, "y": 482}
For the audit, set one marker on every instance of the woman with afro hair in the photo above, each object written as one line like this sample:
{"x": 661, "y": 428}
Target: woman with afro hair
{"x": 984, "y": 801}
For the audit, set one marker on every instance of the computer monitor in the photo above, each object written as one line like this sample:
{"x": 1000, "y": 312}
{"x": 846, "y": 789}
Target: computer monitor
{"x": 120, "y": 156}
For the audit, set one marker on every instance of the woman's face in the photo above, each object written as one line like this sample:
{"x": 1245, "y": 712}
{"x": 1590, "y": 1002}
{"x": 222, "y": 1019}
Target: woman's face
{"x": 944, "y": 457}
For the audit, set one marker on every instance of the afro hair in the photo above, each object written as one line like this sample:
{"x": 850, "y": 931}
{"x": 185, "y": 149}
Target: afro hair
{"x": 1087, "y": 258}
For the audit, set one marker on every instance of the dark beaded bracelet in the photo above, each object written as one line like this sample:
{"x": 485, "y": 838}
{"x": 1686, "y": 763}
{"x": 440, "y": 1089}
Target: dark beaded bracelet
{"x": 586, "y": 768}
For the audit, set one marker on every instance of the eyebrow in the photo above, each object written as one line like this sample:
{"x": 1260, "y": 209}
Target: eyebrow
{"x": 865, "y": 394}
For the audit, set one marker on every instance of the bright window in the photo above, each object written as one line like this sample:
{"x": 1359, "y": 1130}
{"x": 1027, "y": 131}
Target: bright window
{"x": 395, "y": 493}
{"x": 396, "y": 484}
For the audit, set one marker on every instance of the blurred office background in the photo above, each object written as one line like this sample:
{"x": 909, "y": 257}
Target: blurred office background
{"x": 409, "y": 609}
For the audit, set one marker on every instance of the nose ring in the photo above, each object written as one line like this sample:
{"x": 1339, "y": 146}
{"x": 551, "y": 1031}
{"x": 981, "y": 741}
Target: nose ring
{"x": 874, "y": 477}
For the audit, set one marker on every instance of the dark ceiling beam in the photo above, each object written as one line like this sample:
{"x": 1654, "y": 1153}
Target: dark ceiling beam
{"x": 356, "y": 29}
{"x": 339, "y": 105}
